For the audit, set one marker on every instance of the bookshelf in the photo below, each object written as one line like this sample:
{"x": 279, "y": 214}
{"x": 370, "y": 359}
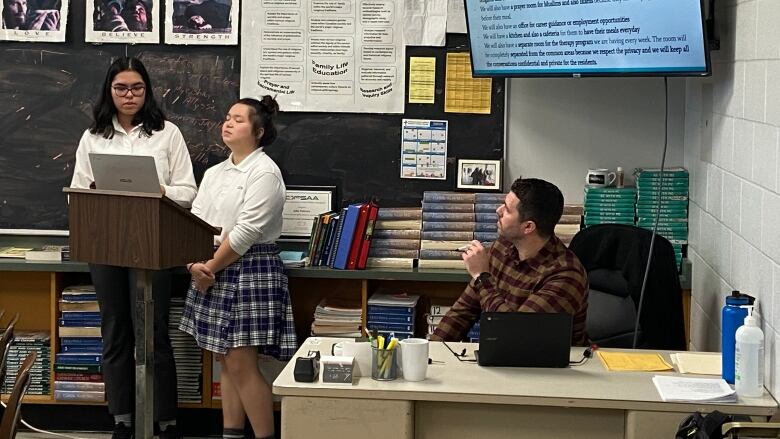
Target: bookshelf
{"x": 33, "y": 289}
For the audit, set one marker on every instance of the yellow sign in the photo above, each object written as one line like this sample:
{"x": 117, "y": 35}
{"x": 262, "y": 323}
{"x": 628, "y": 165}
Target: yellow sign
{"x": 422, "y": 79}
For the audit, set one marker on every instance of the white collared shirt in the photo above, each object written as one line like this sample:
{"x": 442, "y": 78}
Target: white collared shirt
{"x": 246, "y": 200}
{"x": 171, "y": 157}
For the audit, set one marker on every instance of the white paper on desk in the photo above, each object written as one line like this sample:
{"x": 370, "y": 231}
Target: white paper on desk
{"x": 425, "y": 22}
{"x": 704, "y": 363}
{"x": 672, "y": 388}
{"x": 456, "y": 17}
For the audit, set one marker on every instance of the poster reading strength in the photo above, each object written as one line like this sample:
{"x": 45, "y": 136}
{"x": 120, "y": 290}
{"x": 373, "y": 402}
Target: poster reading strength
{"x": 325, "y": 55}
{"x": 424, "y": 149}
{"x": 213, "y": 22}
{"x": 33, "y": 20}
{"x": 122, "y": 21}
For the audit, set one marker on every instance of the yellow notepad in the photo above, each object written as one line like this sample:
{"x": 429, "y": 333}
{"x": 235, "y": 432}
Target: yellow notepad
{"x": 623, "y": 361}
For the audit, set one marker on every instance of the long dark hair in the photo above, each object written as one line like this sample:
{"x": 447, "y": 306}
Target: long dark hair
{"x": 262, "y": 115}
{"x": 150, "y": 115}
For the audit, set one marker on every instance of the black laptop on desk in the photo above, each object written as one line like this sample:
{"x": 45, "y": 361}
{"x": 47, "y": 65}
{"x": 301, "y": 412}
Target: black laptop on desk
{"x": 522, "y": 339}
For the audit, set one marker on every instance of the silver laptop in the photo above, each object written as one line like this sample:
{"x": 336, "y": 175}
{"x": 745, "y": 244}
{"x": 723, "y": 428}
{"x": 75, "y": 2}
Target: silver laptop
{"x": 130, "y": 173}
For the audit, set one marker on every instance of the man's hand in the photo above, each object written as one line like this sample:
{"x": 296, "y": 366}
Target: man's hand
{"x": 202, "y": 276}
{"x": 476, "y": 258}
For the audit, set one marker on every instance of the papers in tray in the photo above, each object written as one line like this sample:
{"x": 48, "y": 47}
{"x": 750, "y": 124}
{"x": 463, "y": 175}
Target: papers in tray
{"x": 679, "y": 389}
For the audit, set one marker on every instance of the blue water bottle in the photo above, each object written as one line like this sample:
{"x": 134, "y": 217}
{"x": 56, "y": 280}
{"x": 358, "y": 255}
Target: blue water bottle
{"x": 733, "y": 317}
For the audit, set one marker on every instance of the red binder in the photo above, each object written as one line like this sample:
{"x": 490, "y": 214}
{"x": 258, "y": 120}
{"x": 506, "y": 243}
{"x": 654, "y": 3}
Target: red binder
{"x": 357, "y": 238}
{"x": 373, "y": 209}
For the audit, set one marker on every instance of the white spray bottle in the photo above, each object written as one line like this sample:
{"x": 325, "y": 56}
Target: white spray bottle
{"x": 749, "y": 357}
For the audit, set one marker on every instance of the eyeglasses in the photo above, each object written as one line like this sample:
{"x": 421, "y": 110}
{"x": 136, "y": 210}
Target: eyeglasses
{"x": 136, "y": 90}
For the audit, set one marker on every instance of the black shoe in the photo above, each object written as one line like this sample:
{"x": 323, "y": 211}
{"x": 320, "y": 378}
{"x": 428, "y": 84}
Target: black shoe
{"x": 121, "y": 431}
{"x": 170, "y": 432}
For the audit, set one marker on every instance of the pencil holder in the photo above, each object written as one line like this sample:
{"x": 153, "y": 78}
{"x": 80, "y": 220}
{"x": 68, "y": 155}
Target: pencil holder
{"x": 383, "y": 364}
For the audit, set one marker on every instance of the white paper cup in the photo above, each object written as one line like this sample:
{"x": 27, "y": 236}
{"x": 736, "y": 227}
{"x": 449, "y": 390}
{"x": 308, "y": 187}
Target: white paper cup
{"x": 414, "y": 358}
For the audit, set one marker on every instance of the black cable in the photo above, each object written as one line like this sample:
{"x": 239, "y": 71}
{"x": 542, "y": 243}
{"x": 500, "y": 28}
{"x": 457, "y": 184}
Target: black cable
{"x": 460, "y": 356}
{"x": 657, "y": 212}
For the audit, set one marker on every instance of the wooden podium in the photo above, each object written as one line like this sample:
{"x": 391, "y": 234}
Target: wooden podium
{"x": 144, "y": 232}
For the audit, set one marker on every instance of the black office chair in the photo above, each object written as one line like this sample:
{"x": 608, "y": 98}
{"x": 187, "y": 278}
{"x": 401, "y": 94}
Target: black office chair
{"x": 10, "y": 418}
{"x": 615, "y": 256}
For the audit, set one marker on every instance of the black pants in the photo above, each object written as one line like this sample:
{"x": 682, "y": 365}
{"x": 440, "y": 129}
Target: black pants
{"x": 116, "y": 293}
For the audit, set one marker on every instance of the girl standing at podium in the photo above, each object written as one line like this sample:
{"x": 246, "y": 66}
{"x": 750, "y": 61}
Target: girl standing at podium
{"x": 127, "y": 120}
{"x": 239, "y": 304}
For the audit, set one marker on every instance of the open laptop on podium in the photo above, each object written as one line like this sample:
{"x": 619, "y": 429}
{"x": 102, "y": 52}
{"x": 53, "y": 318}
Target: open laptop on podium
{"x": 523, "y": 339}
{"x": 129, "y": 173}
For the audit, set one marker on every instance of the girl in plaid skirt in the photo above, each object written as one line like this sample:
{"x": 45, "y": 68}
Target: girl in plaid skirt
{"x": 238, "y": 304}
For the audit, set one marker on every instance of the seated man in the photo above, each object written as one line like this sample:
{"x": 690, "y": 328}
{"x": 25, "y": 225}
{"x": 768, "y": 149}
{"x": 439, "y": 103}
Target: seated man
{"x": 527, "y": 269}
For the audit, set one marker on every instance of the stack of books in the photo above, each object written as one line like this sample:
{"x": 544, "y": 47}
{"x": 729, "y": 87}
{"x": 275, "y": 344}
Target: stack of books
{"x": 396, "y": 238}
{"x": 188, "y": 357}
{"x": 25, "y": 342}
{"x": 609, "y": 205}
{"x": 451, "y": 220}
{"x": 673, "y": 220}
{"x": 485, "y": 206}
{"x": 48, "y": 253}
{"x": 392, "y": 314}
{"x": 78, "y": 373}
{"x": 434, "y": 317}
{"x": 337, "y": 318}
{"x": 570, "y": 222}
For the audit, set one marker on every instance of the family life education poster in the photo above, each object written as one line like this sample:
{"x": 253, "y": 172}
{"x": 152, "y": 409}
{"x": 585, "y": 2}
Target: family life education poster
{"x": 325, "y": 55}
{"x": 204, "y": 22}
{"x": 33, "y": 20}
{"x": 122, "y": 21}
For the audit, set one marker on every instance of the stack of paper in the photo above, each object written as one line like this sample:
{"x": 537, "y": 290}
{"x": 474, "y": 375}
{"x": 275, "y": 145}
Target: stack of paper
{"x": 677, "y": 389}
{"x": 705, "y": 363}
{"x": 292, "y": 259}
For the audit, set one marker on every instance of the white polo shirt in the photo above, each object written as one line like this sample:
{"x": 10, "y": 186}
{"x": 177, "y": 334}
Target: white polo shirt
{"x": 171, "y": 157}
{"x": 246, "y": 200}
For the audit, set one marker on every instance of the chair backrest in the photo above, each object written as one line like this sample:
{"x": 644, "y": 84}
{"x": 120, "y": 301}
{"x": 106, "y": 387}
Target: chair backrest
{"x": 11, "y": 414}
{"x": 5, "y": 344}
{"x": 607, "y": 250}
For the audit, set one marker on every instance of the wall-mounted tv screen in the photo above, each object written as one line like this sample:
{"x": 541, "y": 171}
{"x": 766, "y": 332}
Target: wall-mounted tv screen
{"x": 525, "y": 38}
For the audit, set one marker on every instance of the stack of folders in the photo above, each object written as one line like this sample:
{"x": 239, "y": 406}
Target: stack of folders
{"x": 337, "y": 318}
{"x": 434, "y": 317}
{"x": 78, "y": 373}
{"x": 396, "y": 238}
{"x": 451, "y": 220}
{"x": 341, "y": 239}
{"x": 569, "y": 224}
{"x": 392, "y": 314}
{"x": 672, "y": 209}
{"x": 609, "y": 205}
{"x": 25, "y": 342}
{"x": 188, "y": 357}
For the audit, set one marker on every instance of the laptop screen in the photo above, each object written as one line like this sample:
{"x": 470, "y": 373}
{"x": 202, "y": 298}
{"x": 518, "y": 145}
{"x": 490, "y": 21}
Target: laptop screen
{"x": 521, "y": 339}
{"x": 130, "y": 173}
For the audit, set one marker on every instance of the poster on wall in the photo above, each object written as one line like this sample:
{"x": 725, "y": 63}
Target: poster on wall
{"x": 122, "y": 21}
{"x": 325, "y": 55}
{"x": 33, "y": 20}
{"x": 424, "y": 149}
{"x": 212, "y": 22}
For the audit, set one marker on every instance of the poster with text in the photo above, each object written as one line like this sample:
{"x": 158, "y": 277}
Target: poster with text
{"x": 213, "y": 22}
{"x": 122, "y": 21}
{"x": 424, "y": 149}
{"x": 325, "y": 55}
{"x": 33, "y": 20}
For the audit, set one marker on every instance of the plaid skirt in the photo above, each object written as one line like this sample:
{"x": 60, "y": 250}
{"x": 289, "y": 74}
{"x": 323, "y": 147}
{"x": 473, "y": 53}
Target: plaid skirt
{"x": 249, "y": 305}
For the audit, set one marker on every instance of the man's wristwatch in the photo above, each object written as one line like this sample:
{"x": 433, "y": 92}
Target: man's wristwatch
{"x": 480, "y": 278}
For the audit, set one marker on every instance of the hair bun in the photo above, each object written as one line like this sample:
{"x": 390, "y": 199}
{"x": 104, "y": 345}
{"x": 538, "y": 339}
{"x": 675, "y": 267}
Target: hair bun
{"x": 270, "y": 105}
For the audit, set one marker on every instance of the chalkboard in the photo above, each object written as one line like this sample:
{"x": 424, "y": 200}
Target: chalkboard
{"x": 47, "y": 91}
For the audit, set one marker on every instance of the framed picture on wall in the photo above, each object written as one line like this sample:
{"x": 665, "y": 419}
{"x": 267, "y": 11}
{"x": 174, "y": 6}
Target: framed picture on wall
{"x": 481, "y": 175}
